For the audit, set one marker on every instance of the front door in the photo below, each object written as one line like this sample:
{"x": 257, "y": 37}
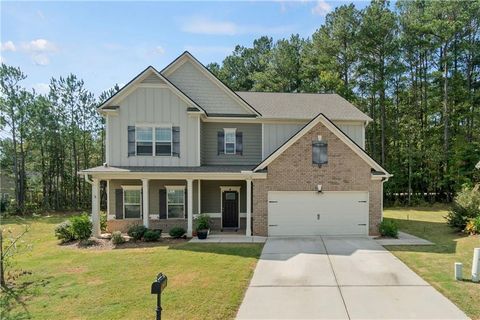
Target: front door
{"x": 230, "y": 209}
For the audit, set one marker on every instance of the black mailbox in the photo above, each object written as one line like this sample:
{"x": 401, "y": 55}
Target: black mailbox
{"x": 159, "y": 284}
{"x": 157, "y": 288}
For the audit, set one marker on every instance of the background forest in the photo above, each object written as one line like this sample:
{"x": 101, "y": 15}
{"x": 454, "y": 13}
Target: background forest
{"x": 414, "y": 68}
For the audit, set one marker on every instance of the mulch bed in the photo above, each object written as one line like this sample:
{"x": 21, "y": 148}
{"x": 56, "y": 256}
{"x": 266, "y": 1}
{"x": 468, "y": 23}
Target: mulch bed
{"x": 106, "y": 244}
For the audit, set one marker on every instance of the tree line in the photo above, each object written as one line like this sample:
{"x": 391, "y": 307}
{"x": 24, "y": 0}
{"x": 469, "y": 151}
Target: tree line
{"x": 413, "y": 68}
{"x": 47, "y": 139}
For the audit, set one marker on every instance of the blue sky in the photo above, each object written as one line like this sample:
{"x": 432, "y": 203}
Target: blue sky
{"x": 110, "y": 42}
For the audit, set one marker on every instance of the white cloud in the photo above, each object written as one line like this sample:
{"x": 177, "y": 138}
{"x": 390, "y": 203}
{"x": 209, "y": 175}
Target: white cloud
{"x": 205, "y": 26}
{"x": 41, "y": 88}
{"x": 159, "y": 50}
{"x": 40, "y": 59}
{"x": 321, "y": 8}
{"x": 39, "y": 45}
{"x": 7, "y": 46}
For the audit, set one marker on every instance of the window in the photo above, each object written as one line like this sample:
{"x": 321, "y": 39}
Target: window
{"x": 163, "y": 141}
{"x": 132, "y": 202}
{"x": 176, "y": 202}
{"x": 230, "y": 140}
{"x": 319, "y": 153}
{"x": 144, "y": 141}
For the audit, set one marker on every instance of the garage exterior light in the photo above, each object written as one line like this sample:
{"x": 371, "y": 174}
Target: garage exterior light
{"x": 319, "y": 153}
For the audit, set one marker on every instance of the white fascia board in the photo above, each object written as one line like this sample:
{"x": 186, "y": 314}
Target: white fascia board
{"x": 176, "y": 175}
{"x": 331, "y": 126}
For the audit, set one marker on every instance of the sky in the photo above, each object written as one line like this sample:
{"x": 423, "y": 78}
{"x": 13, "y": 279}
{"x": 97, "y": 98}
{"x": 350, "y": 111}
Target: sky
{"x": 105, "y": 43}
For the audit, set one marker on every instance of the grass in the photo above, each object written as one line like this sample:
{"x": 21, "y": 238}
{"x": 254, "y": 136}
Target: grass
{"x": 435, "y": 263}
{"x": 204, "y": 280}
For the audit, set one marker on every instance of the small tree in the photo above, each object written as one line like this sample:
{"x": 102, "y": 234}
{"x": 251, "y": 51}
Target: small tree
{"x": 9, "y": 246}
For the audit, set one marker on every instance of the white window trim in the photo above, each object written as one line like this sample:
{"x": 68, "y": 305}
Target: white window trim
{"x": 155, "y": 140}
{"x": 229, "y": 130}
{"x": 166, "y": 200}
{"x": 132, "y": 188}
{"x": 153, "y": 127}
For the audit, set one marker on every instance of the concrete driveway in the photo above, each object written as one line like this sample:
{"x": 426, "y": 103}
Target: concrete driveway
{"x": 338, "y": 278}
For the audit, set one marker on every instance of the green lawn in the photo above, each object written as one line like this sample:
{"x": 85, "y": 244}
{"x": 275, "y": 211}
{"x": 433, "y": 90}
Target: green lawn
{"x": 435, "y": 263}
{"x": 204, "y": 280}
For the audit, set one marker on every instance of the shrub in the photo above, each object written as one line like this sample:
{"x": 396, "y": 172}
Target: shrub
{"x": 465, "y": 207}
{"x": 473, "y": 226}
{"x": 177, "y": 232}
{"x": 388, "y": 228}
{"x": 64, "y": 232}
{"x": 151, "y": 235}
{"x": 136, "y": 231}
{"x": 81, "y": 226}
{"x": 202, "y": 222}
{"x": 117, "y": 238}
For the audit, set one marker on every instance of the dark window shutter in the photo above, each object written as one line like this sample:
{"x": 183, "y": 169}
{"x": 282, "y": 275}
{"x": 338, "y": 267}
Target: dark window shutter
{"x": 176, "y": 141}
{"x": 118, "y": 204}
{"x": 131, "y": 141}
{"x": 186, "y": 204}
{"x": 220, "y": 142}
{"x": 239, "y": 143}
{"x": 163, "y": 203}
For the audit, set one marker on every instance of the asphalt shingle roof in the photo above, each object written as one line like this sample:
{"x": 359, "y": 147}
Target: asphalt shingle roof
{"x": 278, "y": 105}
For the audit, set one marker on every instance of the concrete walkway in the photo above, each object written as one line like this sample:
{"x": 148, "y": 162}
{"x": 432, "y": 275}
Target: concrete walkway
{"x": 338, "y": 278}
{"x": 229, "y": 238}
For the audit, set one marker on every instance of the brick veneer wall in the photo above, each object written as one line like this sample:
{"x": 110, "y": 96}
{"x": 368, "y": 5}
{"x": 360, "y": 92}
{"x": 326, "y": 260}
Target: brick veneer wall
{"x": 293, "y": 171}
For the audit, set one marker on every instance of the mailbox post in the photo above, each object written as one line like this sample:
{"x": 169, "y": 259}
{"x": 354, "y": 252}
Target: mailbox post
{"x": 157, "y": 288}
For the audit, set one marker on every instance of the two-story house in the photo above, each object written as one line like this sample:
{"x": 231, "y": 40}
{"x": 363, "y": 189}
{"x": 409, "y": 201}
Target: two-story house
{"x": 179, "y": 142}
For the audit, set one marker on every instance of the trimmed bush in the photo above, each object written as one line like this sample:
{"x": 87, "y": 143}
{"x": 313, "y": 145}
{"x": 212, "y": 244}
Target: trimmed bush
{"x": 388, "y": 228}
{"x": 177, "y": 232}
{"x": 81, "y": 226}
{"x": 465, "y": 207}
{"x": 64, "y": 232}
{"x": 473, "y": 226}
{"x": 103, "y": 221}
{"x": 117, "y": 238}
{"x": 151, "y": 235}
{"x": 136, "y": 231}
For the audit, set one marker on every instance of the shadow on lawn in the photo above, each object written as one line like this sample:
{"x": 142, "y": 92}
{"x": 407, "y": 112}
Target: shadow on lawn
{"x": 443, "y": 237}
{"x": 246, "y": 250}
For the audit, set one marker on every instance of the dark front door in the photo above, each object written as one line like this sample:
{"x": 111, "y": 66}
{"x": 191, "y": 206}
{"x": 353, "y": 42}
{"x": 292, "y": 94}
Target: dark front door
{"x": 230, "y": 209}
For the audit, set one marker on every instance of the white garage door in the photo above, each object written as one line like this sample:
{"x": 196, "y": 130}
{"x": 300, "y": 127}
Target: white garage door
{"x": 296, "y": 213}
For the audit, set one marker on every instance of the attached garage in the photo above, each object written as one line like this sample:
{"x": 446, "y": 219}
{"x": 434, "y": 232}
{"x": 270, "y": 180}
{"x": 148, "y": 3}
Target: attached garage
{"x": 309, "y": 213}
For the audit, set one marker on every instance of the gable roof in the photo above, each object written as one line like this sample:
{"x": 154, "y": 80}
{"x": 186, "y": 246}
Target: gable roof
{"x": 320, "y": 118}
{"x": 144, "y": 75}
{"x": 187, "y": 56}
{"x": 277, "y": 105}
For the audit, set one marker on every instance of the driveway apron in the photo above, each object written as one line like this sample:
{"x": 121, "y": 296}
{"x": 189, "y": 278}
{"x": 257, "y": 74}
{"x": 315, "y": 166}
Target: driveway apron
{"x": 338, "y": 278}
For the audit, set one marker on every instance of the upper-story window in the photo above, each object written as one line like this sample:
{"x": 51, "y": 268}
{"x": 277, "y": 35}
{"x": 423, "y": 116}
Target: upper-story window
{"x": 163, "y": 141}
{"x": 144, "y": 141}
{"x": 230, "y": 140}
{"x": 158, "y": 140}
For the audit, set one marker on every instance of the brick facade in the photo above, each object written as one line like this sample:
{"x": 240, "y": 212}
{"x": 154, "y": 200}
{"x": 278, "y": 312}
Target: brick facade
{"x": 293, "y": 171}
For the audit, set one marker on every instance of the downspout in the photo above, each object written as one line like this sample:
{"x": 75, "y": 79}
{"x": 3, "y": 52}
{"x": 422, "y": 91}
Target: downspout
{"x": 87, "y": 179}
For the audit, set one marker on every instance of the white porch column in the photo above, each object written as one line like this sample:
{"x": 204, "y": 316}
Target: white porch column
{"x": 248, "y": 232}
{"x": 145, "y": 202}
{"x": 190, "y": 209}
{"x": 199, "y": 197}
{"x": 96, "y": 207}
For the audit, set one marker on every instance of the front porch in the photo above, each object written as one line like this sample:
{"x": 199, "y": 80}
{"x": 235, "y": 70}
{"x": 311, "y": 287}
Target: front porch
{"x": 166, "y": 203}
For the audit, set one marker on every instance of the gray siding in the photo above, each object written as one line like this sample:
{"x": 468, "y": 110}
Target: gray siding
{"x": 276, "y": 134}
{"x": 211, "y": 197}
{"x": 152, "y": 106}
{"x": 154, "y": 194}
{"x": 252, "y": 144}
{"x": 202, "y": 90}
{"x": 153, "y": 78}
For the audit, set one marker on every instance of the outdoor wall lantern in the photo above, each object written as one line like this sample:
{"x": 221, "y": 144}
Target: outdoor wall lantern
{"x": 157, "y": 288}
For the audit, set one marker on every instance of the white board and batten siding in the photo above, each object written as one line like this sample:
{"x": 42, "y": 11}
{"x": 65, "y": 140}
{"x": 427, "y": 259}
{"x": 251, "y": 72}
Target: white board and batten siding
{"x": 195, "y": 84}
{"x": 309, "y": 213}
{"x": 152, "y": 106}
{"x": 276, "y": 134}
